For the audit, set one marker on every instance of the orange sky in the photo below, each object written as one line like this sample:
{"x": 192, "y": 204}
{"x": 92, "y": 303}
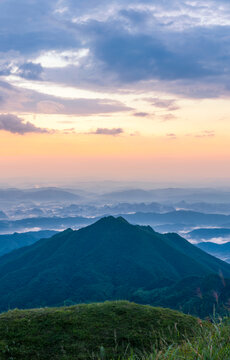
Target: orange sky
{"x": 123, "y": 157}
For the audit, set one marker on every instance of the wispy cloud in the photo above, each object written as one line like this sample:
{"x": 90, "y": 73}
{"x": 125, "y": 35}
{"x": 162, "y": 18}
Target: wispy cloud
{"x": 168, "y": 117}
{"x": 141, "y": 114}
{"x": 105, "y": 131}
{"x": 17, "y": 125}
{"x": 169, "y": 104}
{"x": 203, "y": 134}
{"x": 14, "y": 99}
{"x": 171, "y": 136}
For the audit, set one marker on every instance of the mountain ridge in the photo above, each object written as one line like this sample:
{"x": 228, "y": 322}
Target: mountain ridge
{"x": 108, "y": 260}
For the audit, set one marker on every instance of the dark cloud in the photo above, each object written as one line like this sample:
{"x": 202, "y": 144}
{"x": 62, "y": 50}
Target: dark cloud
{"x": 17, "y": 125}
{"x": 142, "y": 57}
{"x": 104, "y": 131}
{"x": 119, "y": 56}
{"x": 173, "y": 43}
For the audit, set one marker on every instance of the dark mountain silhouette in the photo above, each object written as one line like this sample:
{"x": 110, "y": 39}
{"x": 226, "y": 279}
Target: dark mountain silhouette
{"x": 110, "y": 259}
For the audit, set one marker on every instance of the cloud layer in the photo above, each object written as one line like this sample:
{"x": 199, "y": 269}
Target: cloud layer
{"x": 181, "y": 45}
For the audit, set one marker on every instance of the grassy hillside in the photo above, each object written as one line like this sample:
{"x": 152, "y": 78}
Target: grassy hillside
{"x": 87, "y": 331}
{"x": 109, "y": 260}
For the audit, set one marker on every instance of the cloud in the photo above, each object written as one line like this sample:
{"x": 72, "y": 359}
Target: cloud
{"x": 14, "y": 99}
{"x": 138, "y": 57}
{"x": 169, "y": 104}
{"x": 68, "y": 131}
{"x": 141, "y": 114}
{"x": 17, "y": 125}
{"x": 171, "y": 136}
{"x": 205, "y": 133}
{"x": 104, "y": 131}
{"x": 168, "y": 117}
{"x": 45, "y": 104}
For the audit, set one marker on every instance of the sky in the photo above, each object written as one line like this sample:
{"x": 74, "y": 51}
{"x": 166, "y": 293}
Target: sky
{"x": 115, "y": 90}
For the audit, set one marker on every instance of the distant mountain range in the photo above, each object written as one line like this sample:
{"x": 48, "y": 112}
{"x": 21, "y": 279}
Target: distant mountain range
{"x": 42, "y": 194}
{"x": 209, "y": 208}
{"x": 201, "y": 200}
{"x": 115, "y": 209}
{"x": 134, "y": 207}
{"x": 208, "y": 234}
{"x": 108, "y": 260}
{"x": 169, "y": 221}
{"x": 191, "y": 218}
{"x": 221, "y": 251}
{"x": 169, "y": 195}
{"x": 136, "y": 195}
{"x": 14, "y": 241}
{"x": 50, "y": 223}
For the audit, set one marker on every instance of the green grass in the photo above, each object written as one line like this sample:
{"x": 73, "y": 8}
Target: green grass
{"x": 109, "y": 330}
{"x": 212, "y": 343}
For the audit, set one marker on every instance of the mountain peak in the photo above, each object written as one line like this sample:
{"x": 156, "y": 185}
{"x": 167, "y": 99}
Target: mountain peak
{"x": 108, "y": 220}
